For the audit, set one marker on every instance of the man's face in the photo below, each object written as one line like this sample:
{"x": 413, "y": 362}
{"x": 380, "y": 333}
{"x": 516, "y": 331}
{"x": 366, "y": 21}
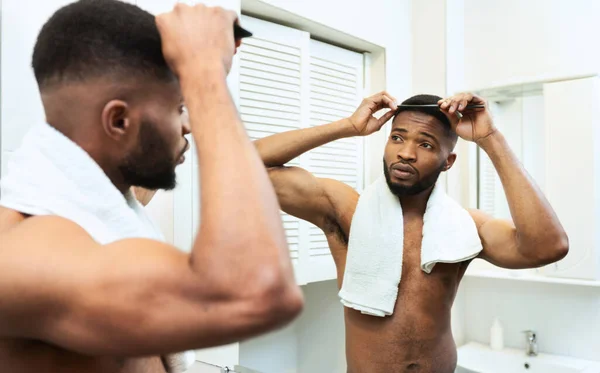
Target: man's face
{"x": 417, "y": 151}
{"x": 160, "y": 145}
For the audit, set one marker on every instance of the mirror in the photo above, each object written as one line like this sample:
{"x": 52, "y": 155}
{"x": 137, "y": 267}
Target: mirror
{"x": 477, "y": 295}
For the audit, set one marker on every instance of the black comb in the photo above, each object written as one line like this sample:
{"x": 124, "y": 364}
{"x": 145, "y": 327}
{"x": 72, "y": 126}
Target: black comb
{"x": 239, "y": 32}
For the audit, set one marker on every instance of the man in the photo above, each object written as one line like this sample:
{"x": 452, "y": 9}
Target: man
{"x": 417, "y": 337}
{"x": 71, "y": 304}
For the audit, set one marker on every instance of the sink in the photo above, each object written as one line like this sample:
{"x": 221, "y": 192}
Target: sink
{"x": 479, "y": 358}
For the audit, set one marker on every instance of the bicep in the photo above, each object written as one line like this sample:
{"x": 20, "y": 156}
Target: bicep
{"x": 131, "y": 298}
{"x": 305, "y": 196}
{"x": 500, "y": 242}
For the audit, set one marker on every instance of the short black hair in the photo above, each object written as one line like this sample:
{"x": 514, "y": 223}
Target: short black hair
{"x": 96, "y": 38}
{"x": 433, "y": 111}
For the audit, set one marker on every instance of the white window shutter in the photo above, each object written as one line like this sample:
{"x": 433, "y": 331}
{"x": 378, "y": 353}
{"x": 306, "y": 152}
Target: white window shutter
{"x": 336, "y": 90}
{"x": 488, "y": 179}
{"x": 273, "y": 86}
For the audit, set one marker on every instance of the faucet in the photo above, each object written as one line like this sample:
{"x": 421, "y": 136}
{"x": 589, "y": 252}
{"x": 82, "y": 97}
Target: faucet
{"x": 532, "y": 346}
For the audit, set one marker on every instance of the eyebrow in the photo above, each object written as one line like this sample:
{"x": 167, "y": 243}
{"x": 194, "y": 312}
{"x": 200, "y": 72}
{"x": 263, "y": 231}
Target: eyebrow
{"x": 404, "y": 130}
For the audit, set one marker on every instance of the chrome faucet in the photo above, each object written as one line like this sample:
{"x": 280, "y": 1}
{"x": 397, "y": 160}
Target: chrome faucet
{"x": 532, "y": 346}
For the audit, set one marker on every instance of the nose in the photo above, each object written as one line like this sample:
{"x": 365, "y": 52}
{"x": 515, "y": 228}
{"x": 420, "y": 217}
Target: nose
{"x": 407, "y": 152}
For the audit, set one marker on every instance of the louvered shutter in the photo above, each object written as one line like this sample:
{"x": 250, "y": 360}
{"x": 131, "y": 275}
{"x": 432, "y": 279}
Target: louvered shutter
{"x": 487, "y": 184}
{"x": 272, "y": 86}
{"x": 336, "y": 87}
{"x": 508, "y": 116}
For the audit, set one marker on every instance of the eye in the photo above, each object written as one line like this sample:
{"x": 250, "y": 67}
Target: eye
{"x": 182, "y": 109}
{"x": 427, "y": 145}
{"x": 396, "y": 138}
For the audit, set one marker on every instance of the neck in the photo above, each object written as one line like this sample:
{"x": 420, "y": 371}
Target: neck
{"x": 90, "y": 143}
{"x": 74, "y": 118}
{"x": 99, "y": 154}
{"x": 416, "y": 203}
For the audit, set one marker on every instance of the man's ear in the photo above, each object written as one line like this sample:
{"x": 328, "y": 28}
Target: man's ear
{"x": 116, "y": 119}
{"x": 450, "y": 161}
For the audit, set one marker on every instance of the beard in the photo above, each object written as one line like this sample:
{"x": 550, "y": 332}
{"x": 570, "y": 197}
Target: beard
{"x": 419, "y": 186}
{"x": 151, "y": 166}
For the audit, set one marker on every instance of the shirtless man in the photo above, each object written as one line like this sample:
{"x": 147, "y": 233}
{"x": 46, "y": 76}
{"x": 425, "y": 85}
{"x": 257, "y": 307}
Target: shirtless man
{"x": 71, "y": 305}
{"x": 417, "y": 337}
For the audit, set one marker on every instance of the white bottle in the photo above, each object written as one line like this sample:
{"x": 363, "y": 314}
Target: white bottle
{"x": 496, "y": 336}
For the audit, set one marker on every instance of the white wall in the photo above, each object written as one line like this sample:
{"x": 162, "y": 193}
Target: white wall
{"x": 276, "y": 352}
{"x": 429, "y": 47}
{"x": 321, "y": 333}
{"x": 313, "y": 343}
{"x": 511, "y": 39}
{"x": 565, "y": 317}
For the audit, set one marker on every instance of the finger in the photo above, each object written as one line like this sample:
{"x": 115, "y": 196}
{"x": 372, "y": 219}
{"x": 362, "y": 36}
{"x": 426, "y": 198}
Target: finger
{"x": 233, "y": 16}
{"x": 478, "y": 100}
{"x": 180, "y": 7}
{"x": 390, "y": 102}
{"x": 385, "y": 117}
{"x": 452, "y": 105}
{"x": 379, "y": 106}
{"x": 379, "y": 96}
{"x": 445, "y": 103}
{"x": 462, "y": 104}
{"x": 376, "y": 102}
{"x": 390, "y": 96}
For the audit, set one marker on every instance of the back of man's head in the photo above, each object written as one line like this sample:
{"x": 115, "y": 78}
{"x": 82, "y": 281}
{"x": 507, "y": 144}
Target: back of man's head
{"x": 96, "y": 39}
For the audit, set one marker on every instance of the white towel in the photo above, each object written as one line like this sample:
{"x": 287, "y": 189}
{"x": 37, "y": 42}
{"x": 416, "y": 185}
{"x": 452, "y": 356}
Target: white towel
{"x": 51, "y": 175}
{"x": 375, "y": 247}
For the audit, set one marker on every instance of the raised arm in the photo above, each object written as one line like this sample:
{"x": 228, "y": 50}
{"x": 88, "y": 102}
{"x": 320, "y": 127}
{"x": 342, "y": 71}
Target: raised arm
{"x": 535, "y": 237}
{"x": 142, "y": 297}
{"x": 299, "y": 192}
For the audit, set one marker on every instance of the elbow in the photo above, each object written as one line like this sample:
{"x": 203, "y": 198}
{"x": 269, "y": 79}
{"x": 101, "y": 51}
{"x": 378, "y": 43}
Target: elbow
{"x": 560, "y": 248}
{"x": 277, "y": 298}
{"x": 553, "y": 251}
{"x": 282, "y": 301}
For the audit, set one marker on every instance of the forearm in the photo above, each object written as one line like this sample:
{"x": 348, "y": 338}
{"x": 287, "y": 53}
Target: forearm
{"x": 538, "y": 229}
{"x": 277, "y": 150}
{"x": 241, "y": 230}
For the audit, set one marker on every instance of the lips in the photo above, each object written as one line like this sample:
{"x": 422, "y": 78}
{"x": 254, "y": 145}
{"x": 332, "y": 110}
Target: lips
{"x": 403, "y": 171}
{"x": 403, "y": 168}
{"x": 185, "y": 149}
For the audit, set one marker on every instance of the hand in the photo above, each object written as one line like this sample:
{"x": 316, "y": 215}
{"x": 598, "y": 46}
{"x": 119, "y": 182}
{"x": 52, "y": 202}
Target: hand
{"x": 197, "y": 35}
{"x": 363, "y": 121}
{"x": 476, "y": 124}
